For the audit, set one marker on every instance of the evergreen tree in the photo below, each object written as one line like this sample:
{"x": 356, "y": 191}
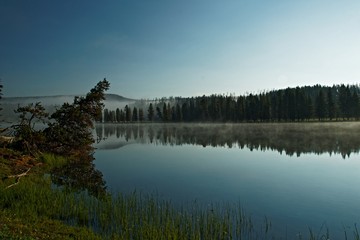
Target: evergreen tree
{"x": 204, "y": 112}
{"x": 151, "y": 112}
{"x": 112, "y": 116}
{"x": 252, "y": 108}
{"x": 240, "y": 109}
{"x": 320, "y": 106}
{"x": 331, "y": 104}
{"x": 141, "y": 115}
{"x": 185, "y": 112}
{"x": 173, "y": 114}
{"x": 159, "y": 114}
{"x": 100, "y": 119}
{"x": 309, "y": 108}
{"x": 169, "y": 112}
{"x": 192, "y": 113}
{"x": 264, "y": 107}
{"x": 280, "y": 106}
{"x": 179, "y": 117}
{"x": 345, "y": 101}
{"x": 355, "y": 105}
{"x": 165, "y": 113}
{"x": 135, "y": 115}
{"x": 290, "y": 104}
{"x": 70, "y": 129}
{"x": 127, "y": 114}
{"x": 122, "y": 116}
{"x": 230, "y": 108}
{"x": 300, "y": 104}
{"x": 27, "y": 136}
{"x": 106, "y": 115}
{"x": 117, "y": 115}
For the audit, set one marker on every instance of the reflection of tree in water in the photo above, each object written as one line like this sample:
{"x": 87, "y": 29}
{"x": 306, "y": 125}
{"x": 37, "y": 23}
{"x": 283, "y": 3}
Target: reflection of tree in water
{"x": 80, "y": 175}
{"x": 292, "y": 138}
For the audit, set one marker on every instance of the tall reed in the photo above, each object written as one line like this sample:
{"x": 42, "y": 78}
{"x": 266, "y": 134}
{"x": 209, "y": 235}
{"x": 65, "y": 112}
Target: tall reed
{"x": 135, "y": 216}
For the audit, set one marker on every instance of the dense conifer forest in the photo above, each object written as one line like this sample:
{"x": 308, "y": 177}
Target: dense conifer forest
{"x": 308, "y": 103}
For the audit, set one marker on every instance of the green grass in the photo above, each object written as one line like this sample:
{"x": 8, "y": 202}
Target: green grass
{"x": 121, "y": 217}
{"x": 52, "y": 161}
{"x": 14, "y": 227}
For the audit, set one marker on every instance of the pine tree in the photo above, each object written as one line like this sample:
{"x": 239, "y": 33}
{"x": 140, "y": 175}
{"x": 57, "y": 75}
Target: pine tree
{"x": 122, "y": 116}
{"x": 165, "y": 112}
{"x": 112, "y": 116}
{"x": 345, "y": 101}
{"x": 141, "y": 115}
{"x": 117, "y": 115}
{"x": 204, "y": 112}
{"x": 151, "y": 112}
{"x": 70, "y": 129}
{"x": 135, "y": 115}
{"x": 240, "y": 109}
{"x": 127, "y": 114}
{"x": 106, "y": 115}
{"x": 355, "y": 105}
{"x": 320, "y": 106}
{"x": 169, "y": 112}
{"x": 300, "y": 104}
{"x": 331, "y": 104}
{"x": 159, "y": 114}
{"x": 179, "y": 117}
{"x": 309, "y": 108}
{"x": 185, "y": 112}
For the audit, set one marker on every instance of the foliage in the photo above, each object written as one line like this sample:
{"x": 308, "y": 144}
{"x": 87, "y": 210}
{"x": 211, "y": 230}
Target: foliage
{"x": 69, "y": 127}
{"x": 151, "y": 112}
{"x": 28, "y": 138}
{"x": 52, "y": 161}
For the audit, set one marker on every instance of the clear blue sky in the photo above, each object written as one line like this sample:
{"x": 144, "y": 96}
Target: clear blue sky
{"x": 156, "y": 48}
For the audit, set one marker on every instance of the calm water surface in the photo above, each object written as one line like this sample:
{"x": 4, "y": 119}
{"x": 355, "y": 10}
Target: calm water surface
{"x": 297, "y": 175}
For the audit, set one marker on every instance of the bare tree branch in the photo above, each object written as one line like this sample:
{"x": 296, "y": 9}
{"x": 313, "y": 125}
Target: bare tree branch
{"x": 17, "y": 176}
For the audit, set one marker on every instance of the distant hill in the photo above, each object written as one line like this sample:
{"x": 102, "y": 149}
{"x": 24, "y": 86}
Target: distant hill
{"x": 115, "y": 97}
{"x": 58, "y": 99}
{"x": 9, "y": 104}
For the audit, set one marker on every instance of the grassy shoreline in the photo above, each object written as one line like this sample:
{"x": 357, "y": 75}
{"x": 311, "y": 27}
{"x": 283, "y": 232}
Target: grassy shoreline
{"x": 23, "y": 214}
{"x": 35, "y": 209}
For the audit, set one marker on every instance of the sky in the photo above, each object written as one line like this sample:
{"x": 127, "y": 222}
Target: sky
{"x": 161, "y": 48}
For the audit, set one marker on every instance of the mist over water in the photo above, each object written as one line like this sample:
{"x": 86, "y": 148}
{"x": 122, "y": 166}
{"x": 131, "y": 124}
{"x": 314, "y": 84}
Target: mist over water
{"x": 298, "y": 175}
{"x": 289, "y": 138}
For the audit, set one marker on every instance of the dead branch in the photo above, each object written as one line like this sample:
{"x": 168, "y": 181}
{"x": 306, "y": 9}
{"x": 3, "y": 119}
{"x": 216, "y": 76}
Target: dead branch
{"x": 17, "y": 178}
{"x": 19, "y": 175}
{"x": 6, "y": 139}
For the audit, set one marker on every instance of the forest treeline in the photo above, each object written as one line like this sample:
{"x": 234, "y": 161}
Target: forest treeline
{"x": 339, "y": 102}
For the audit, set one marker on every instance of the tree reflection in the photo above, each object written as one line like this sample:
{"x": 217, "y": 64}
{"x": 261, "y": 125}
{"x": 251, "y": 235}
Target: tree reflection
{"x": 289, "y": 138}
{"x": 80, "y": 175}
